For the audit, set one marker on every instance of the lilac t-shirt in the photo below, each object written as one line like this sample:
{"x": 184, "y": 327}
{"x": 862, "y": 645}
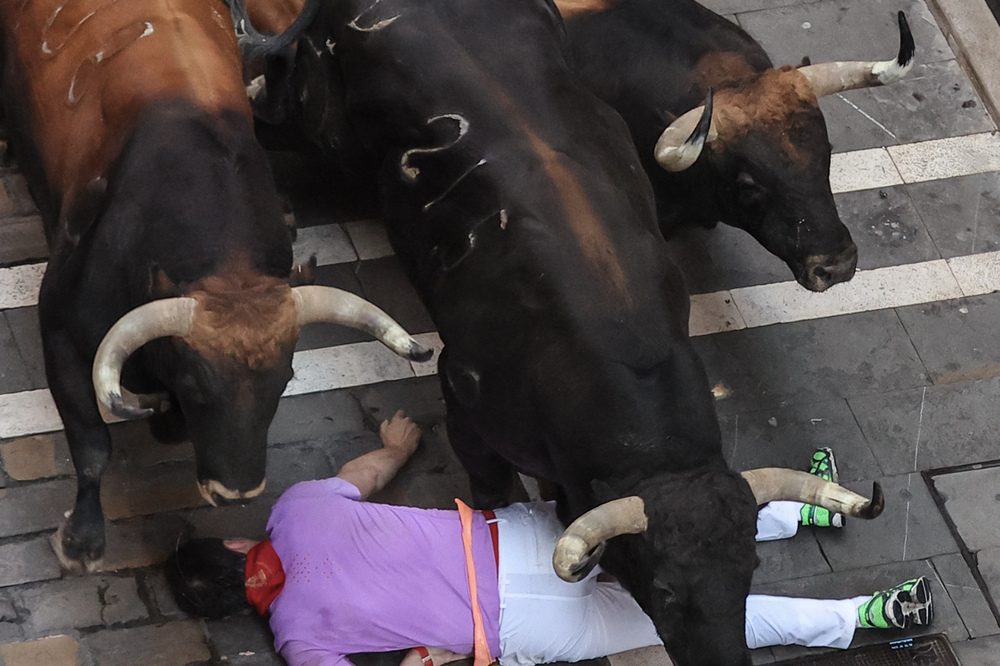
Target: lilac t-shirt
{"x": 365, "y": 577}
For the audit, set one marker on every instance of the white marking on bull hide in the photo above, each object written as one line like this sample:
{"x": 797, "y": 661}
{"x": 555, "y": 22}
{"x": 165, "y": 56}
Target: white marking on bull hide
{"x": 503, "y": 218}
{"x": 458, "y": 180}
{"x": 148, "y": 31}
{"x": 412, "y": 172}
{"x": 330, "y": 45}
{"x": 372, "y": 28}
{"x": 255, "y": 86}
{"x": 48, "y": 50}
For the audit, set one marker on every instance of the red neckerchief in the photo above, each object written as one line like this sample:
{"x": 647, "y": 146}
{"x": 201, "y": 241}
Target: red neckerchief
{"x": 264, "y": 576}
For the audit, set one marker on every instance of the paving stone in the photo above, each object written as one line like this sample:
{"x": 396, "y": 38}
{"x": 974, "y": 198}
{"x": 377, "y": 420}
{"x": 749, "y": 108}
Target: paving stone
{"x": 169, "y": 644}
{"x": 14, "y": 374}
{"x": 966, "y": 595}
{"x": 290, "y": 464}
{"x": 860, "y": 581}
{"x": 910, "y": 528}
{"x": 788, "y": 436}
{"x": 23, "y": 323}
{"x": 931, "y": 427}
{"x": 723, "y": 258}
{"x": 988, "y": 561}
{"x": 762, "y": 656}
{"x": 789, "y": 558}
{"x": 27, "y": 561}
{"x": 15, "y": 199}
{"x": 141, "y": 542}
{"x": 156, "y": 589}
{"x": 243, "y": 633}
{"x": 316, "y": 416}
{"x": 843, "y": 30}
{"x": 165, "y": 487}
{"x": 341, "y": 276}
{"x": 35, "y": 507}
{"x": 979, "y": 652}
{"x": 936, "y": 100}
{"x": 37, "y": 457}
{"x": 647, "y": 656}
{"x": 50, "y": 651}
{"x": 972, "y": 499}
{"x": 248, "y": 520}
{"x": 961, "y": 214}
{"x": 811, "y": 361}
{"x": 387, "y": 286}
{"x": 886, "y": 227}
{"x": 135, "y": 450}
{"x": 22, "y": 240}
{"x": 956, "y": 339}
{"x": 11, "y": 629}
{"x": 81, "y": 602}
{"x": 419, "y": 397}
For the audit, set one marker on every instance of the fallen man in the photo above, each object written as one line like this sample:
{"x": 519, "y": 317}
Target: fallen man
{"x": 340, "y": 575}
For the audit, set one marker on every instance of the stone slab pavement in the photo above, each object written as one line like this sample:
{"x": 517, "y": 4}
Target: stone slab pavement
{"x": 905, "y": 392}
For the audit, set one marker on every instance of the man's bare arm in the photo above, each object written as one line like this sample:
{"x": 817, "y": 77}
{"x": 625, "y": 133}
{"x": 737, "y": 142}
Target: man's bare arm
{"x": 372, "y": 471}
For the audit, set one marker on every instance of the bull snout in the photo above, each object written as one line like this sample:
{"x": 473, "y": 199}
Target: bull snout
{"x": 822, "y": 272}
{"x": 215, "y": 493}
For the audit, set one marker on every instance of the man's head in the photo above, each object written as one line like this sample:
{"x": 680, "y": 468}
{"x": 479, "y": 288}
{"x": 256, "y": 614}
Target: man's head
{"x": 206, "y": 576}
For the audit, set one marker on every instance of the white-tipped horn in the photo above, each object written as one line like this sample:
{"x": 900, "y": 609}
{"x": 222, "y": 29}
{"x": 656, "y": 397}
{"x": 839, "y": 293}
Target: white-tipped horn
{"x": 681, "y": 143}
{"x": 314, "y": 304}
{"x": 772, "y": 483}
{"x": 156, "y": 319}
{"x": 829, "y": 78}
{"x": 575, "y": 555}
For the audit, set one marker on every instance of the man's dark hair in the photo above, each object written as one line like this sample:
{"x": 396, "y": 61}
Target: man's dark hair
{"x": 207, "y": 579}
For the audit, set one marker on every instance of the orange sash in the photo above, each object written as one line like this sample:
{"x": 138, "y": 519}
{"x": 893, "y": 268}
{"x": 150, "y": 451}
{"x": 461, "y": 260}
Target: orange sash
{"x": 482, "y": 656}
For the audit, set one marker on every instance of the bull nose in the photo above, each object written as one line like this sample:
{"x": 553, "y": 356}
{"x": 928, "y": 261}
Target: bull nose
{"x": 215, "y": 493}
{"x": 821, "y": 273}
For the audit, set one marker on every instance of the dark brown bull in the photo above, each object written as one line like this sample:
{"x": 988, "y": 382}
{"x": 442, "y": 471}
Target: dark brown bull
{"x": 132, "y": 124}
{"x": 516, "y": 202}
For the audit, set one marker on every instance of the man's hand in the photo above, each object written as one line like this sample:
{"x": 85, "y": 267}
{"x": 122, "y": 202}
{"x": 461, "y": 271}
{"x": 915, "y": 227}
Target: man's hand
{"x": 400, "y": 434}
{"x": 373, "y": 470}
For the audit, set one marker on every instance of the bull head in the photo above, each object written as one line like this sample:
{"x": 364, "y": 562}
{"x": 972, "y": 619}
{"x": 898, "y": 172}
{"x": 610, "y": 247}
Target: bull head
{"x": 691, "y": 561}
{"x": 230, "y": 396}
{"x": 771, "y": 153}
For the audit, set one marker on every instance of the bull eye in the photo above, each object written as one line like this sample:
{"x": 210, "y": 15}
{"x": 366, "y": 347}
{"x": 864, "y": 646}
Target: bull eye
{"x": 749, "y": 193}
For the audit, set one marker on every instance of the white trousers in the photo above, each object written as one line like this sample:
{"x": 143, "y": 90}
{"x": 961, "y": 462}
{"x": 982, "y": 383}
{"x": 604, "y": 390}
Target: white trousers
{"x": 544, "y": 619}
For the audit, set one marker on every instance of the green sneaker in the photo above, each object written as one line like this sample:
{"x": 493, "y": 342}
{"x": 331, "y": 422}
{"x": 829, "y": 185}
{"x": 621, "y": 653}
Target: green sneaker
{"x": 824, "y": 465}
{"x": 901, "y": 607}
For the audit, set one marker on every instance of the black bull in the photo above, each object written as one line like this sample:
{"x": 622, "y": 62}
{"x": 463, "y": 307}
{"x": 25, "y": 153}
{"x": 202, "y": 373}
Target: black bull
{"x": 767, "y": 171}
{"x": 519, "y": 208}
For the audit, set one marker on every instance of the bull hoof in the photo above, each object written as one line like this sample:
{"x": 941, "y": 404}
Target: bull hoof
{"x": 76, "y": 556}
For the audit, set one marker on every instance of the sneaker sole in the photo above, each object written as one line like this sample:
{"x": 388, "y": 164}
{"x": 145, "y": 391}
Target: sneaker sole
{"x": 920, "y": 602}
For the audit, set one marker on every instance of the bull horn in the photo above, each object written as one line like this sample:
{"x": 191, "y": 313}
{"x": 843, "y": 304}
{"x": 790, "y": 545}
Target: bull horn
{"x": 156, "y": 319}
{"x": 254, "y": 44}
{"x": 580, "y": 546}
{"x": 772, "y": 483}
{"x": 830, "y": 78}
{"x": 314, "y": 304}
{"x": 682, "y": 142}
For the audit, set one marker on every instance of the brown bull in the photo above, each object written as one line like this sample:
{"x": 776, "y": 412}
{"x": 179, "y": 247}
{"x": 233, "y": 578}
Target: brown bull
{"x": 131, "y": 122}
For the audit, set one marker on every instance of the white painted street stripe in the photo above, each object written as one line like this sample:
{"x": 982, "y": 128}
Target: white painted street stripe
{"x": 34, "y": 412}
{"x": 862, "y": 170}
{"x": 849, "y": 172}
{"x": 947, "y": 158}
{"x": 878, "y": 289}
{"x": 344, "y": 366}
{"x": 19, "y": 285}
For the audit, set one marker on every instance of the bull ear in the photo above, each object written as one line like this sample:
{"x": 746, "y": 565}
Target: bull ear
{"x": 303, "y": 274}
{"x": 603, "y": 492}
{"x": 160, "y": 284}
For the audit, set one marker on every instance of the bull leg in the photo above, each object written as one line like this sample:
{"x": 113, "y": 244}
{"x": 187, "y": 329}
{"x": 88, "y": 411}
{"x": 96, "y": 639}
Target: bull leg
{"x": 491, "y": 478}
{"x": 79, "y": 542}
